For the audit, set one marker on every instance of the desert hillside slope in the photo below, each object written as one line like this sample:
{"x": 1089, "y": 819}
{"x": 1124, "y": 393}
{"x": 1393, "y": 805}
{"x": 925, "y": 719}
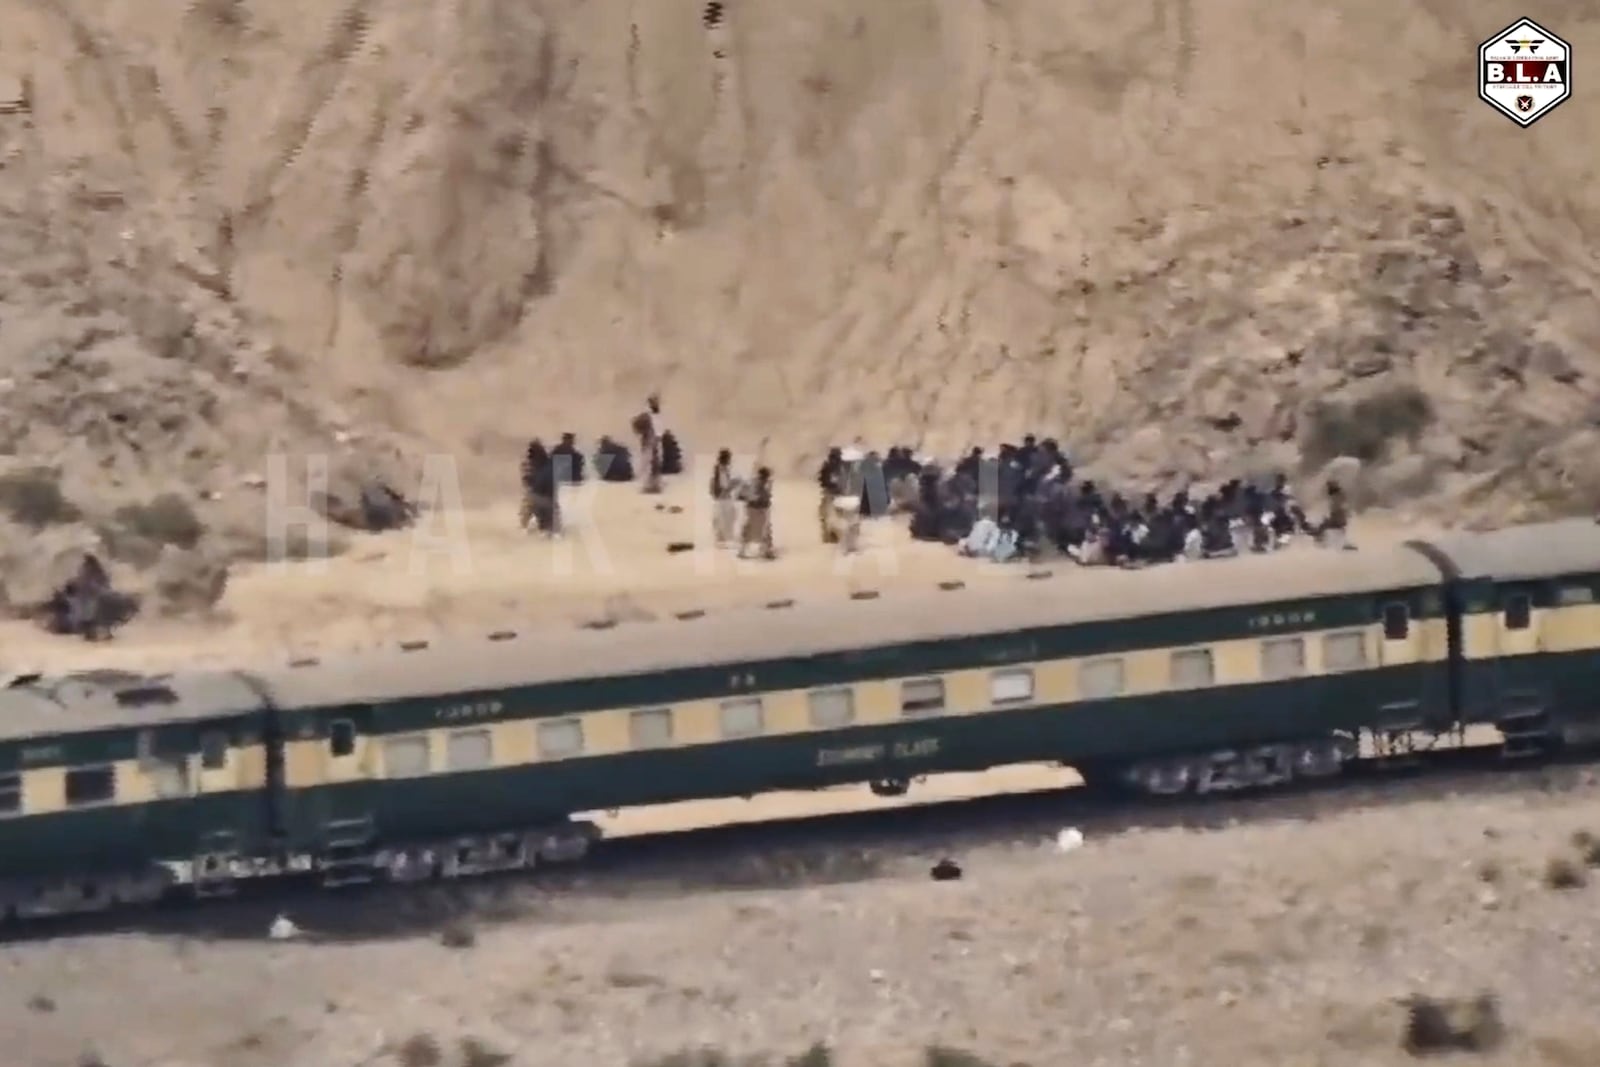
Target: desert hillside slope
{"x": 1176, "y": 234}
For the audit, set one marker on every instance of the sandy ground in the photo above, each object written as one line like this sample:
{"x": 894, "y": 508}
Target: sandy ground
{"x": 1263, "y": 944}
{"x": 472, "y": 570}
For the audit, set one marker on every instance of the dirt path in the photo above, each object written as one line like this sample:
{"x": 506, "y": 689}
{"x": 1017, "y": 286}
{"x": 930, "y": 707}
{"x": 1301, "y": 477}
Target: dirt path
{"x": 1261, "y": 945}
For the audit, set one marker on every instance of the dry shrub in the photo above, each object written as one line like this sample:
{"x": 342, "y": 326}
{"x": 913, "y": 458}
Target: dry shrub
{"x": 166, "y": 520}
{"x": 478, "y": 1053}
{"x": 458, "y": 935}
{"x": 1452, "y": 1025}
{"x": 943, "y": 1056}
{"x": 818, "y": 1055}
{"x": 698, "y": 1057}
{"x": 33, "y": 497}
{"x": 1364, "y": 428}
{"x": 419, "y": 1050}
{"x": 1588, "y": 846}
{"x": 1563, "y": 872}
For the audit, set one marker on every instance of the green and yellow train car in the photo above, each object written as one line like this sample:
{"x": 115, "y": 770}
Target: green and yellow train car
{"x": 449, "y": 759}
{"x": 1209, "y": 676}
{"x": 105, "y": 775}
{"x": 1527, "y": 628}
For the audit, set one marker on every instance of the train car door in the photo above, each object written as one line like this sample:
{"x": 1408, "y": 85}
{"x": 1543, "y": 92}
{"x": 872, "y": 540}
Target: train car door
{"x": 1412, "y": 634}
{"x": 1400, "y": 640}
{"x": 347, "y": 833}
{"x": 1521, "y": 690}
{"x": 229, "y": 776}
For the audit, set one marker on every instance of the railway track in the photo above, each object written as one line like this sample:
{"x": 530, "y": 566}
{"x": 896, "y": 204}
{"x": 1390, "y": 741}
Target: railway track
{"x": 810, "y": 850}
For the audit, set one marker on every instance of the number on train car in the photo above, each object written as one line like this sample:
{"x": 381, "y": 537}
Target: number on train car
{"x": 481, "y": 709}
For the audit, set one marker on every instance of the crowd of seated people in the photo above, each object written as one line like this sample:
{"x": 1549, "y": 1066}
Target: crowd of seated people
{"x": 1023, "y": 503}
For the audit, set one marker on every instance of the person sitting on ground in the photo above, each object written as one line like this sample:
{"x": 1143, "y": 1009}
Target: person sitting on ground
{"x": 612, "y": 461}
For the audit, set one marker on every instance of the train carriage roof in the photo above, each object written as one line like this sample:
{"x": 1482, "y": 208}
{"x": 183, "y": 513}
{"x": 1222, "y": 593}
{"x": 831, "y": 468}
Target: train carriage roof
{"x": 87, "y": 701}
{"x": 992, "y": 602}
{"x": 1525, "y": 553}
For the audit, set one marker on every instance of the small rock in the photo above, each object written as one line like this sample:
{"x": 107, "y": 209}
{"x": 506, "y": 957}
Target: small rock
{"x": 1069, "y": 840}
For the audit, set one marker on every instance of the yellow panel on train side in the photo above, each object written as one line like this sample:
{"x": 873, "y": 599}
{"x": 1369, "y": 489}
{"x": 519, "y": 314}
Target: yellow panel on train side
{"x": 1480, "y": 635}
{"x": 698, "y": 722}
{"x": 1573, "y": 628}
{"x": 513, "y": 743}
{"x": 605, "y": 733}
{"x": 44, "y": 790}
{"x": 1144, "y": 671}
{"x": 968, "y": 691}
{"x": 878, "y": 703}
{"x": 1236, "y": 662}
{"x": 786, "y": 711}
{"x": 1055, "y": 681}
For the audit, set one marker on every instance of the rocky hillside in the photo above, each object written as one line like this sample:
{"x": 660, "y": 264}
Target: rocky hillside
{"x": 1181, "y": 236}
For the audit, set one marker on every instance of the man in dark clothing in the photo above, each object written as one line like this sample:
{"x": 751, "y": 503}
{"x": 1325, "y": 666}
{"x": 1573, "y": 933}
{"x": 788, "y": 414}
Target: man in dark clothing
{"x": 724, "y": 508}
{"x": 568, "y": 460}
{"x": 649, "y": 427}
{"x": 830, "y": 481}
{"x": 539, "y": 488}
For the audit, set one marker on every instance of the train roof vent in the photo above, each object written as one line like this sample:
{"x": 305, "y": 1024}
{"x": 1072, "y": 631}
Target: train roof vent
{"x": 413, "y": 646}
{"x": 305, "y": 661}
{"x": 600, "y": 624}
{"x": 143, "y": 696}
{"x": 691, "y": 614}
{"x": 864, "y": 594}
{"x": 950, "y": 587}
{"x": 1034, "y": 576}
{"x": 502, "y": 635}
{"x": 779, "y": 605}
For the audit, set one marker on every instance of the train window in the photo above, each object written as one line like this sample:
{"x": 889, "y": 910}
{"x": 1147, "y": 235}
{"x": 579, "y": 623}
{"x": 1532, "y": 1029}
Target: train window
{"x": 650, "y": 728}
{"x": 832, "y": 709}
{"x": 406, "y": 757}
{"x": 168, "y": 775}
{"x": 342, "y": 738}
{"x": 90, "y": 785}
{"x": 470, "y": 750}
{"x": 922, "y": 696}
{"x": 1014, "y": 686}
{"x": 1575, "y": 594}
{"x": 1099, "y": 679}
{"x": 742, "y": 717}
{"x": 560, "y": 738}
{"x": 213, "y": 750}
{"x": 1193, "y": 668}
{"x": 1518, "y": 612}
{"x": 1283, "y": 657}
{"x": 1396, "y": 622}
{"x": 10, "y": 794}
{"x": 1345, "y": 651}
